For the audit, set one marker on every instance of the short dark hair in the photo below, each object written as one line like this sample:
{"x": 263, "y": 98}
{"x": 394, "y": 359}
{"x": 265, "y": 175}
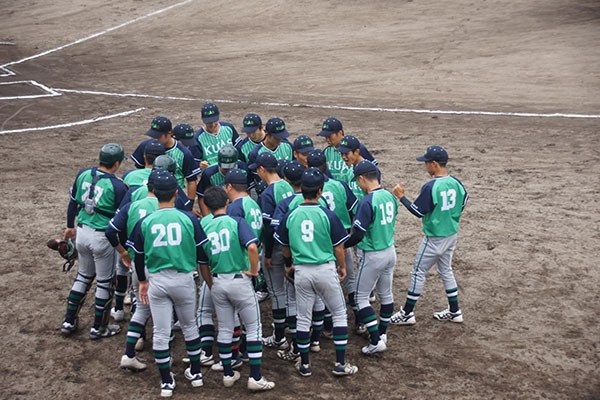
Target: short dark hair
{"x": 150, "y": 158}
{"x": 370, "y": 176}
{"x": 215, "y": 198}
{"x": 164, "y": 196}
{"x": 107, "y": 165}
{"x": 238, "y": 187}
{"x": 310, "y": 193}
{"x": 322, "y": 168}
{"x": 150, "y": 187}
{"x": 295, "y": 183}
{"x": 442, "y": 163}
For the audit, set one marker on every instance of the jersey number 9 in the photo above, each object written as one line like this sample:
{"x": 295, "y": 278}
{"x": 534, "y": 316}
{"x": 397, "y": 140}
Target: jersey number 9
{"x": 308, "y": 230}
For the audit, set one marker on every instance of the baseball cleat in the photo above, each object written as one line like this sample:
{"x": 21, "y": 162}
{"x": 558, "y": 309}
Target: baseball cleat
{"x": 315, "y": 346}
{"x": 128, "y": 299}
{"x": 448, "y": 315}
{"x": 244, "y": 357}
{"x": 383, "y": 337}
{"x": 401, "y": 318}
{"x": 372, "y": 297}
{"x": 67, "y": 328}
{"x": 132, "y": 364}
{"x": 166, "y": 389}
{"x": 261, "y": 384}
{"x": 272, "y": 343}
{"x": 327, "y": 334}
{"x": 118, "y": 315}
{"x": 344, "y": 370}
{"x": 195, "y": 379}
{"x": 206, "y": 361}
{"x": 303, "y": 369}
{"x": 139, "y": 345}
{"x": 380, "y": 347}
{"x": 361, "y": 329}
{"x": 228, "y": 381}
{"x": 288, "y": 355}
{"x": 104, "y": 332}
{"x": 235, "y": 364}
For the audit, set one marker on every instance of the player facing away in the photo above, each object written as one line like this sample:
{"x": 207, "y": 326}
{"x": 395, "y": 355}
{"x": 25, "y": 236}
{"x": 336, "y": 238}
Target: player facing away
{"x": 232, "y": 253}
{"x": 374, "y": 228}
{"x": 95, "y": 196}
{"x": 314, "y": 238}
{"x": 440, "y": 206}
{"x": 168, "y": 242}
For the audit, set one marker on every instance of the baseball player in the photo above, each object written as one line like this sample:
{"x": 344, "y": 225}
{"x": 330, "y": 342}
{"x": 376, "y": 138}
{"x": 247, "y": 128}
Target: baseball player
{"x": 440, "y": 206}
{"x": 187, "y": 169}
{"x": 255, "y": 131}
{"x": 233, "y": 258}
{"x": 302, "y": 146}
{"x": 333, "y": 132}
{"x": 95, "y": 196}
{"x": 139, "y": 176}
{"x": 168, "y": 242}
{"x": 350, "y": 151}
{"x": 341, "y": 201}
{"x": 214, "y": 135}
{"x": 215, "y": 174}
{"x": 316, "y": 242}
{"x": 275, "y": 142}
{"x": 121, "y": 225}
{"x": 185, "y": 134}
{"x": 293, "y": 175}
{"x": 277, "y": 190}
{"x": 374, "y": 227}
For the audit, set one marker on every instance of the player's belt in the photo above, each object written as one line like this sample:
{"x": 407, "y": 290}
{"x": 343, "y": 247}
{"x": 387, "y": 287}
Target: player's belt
{"x": 236, "y": 276}
{"x": 97, "y": 230}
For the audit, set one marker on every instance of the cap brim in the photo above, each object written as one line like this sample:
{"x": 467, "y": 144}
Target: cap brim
{"x": 249, "y": 129}
{"x": 212, "y": 118}
{"x": 154, "y": 134}
{"x": 325, "y": 133}
{"x": 343, "y": 149}
{"x": 253, "y": 166}
{"x": 189, "y": 142}
{"x": 306, "y": 149}
{"x": 281, "y": 135}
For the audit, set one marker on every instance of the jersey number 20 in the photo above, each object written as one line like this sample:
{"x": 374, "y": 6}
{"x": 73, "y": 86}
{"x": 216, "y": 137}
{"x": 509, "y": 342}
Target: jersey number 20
{"x": 172, "y": 232}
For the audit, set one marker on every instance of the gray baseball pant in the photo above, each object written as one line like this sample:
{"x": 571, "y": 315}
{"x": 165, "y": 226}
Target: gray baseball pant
{"x": 375, "y": 270}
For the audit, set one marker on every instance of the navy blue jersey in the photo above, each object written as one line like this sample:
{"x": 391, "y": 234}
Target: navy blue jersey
{"x": 182, "y": 201}
{"x": 187, "y": 167}
{"x": 212, "y": 176}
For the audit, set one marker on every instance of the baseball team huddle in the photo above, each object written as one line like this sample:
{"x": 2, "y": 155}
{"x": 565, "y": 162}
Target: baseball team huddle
{"x": 311, "y": 229}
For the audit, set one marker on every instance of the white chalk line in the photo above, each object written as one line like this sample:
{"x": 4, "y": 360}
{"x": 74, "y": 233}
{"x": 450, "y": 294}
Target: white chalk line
{"x": 7, "y": 72}
{"x": 95, "y": 35}
{"x": 69, "y": 124}
{"x": 49, "y": 92}
{"x": 322, "y": 106}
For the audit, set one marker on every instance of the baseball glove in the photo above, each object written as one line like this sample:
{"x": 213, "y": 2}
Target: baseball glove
{"x": 66, "y": 249}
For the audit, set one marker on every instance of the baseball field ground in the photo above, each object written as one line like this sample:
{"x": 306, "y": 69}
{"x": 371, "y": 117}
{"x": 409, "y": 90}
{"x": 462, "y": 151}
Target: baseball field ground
{"x": 510, "y": 88}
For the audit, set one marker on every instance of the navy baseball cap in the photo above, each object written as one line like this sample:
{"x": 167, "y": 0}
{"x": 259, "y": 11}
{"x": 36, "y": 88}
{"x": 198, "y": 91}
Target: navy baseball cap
{"x": 281, "y": 164}
{"x": 364, "y": 167}
{"x": 155, "y": 173}
{"x": 293, "y": 171}
{"x": 434, "y": 153}
{"x": 165, "y": 181}
{"x": 348, "y": 143}
{"x": 236, "y": 176}
{"x": 265, "y": 159}
{"x": 185, "y": 134}
{"x": 154, "y": 147}
{"x": 210, "y": 113}
{"x": 330, "y": 126}
{"x": 303, "y": 144}
{"x": 276, "y": 128}
{"x": 316, "y": 158}
{"x": 260, "y": 187}
{"x": 158, "y": 127}
{"x": 312, "y": 178}
{"x": 251, "y": 123}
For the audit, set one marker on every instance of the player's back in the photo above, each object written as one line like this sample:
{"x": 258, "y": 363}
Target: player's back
{"x": 224, "y": 248}
{"x": 382, "y": 208}
{"x": 310, "y": 234}
{"x": 449, "y": 197}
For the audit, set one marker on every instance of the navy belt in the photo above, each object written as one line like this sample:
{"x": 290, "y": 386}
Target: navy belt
{"x": 236, "y": 276}
{"x": 97, "y": 230}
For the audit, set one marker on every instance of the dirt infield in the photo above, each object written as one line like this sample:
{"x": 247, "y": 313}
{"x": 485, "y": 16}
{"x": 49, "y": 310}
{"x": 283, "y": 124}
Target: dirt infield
{"x": 525, "y": 263}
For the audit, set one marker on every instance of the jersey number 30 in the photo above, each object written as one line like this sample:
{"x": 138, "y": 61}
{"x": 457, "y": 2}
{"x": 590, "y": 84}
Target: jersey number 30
{"x": 219, "y": 241}
{"x": 448, "y": 199}
{"x": 171, "y": 231}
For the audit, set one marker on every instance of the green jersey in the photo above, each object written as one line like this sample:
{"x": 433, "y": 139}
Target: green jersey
{"x": 210, "y": 144}
{"x": 376, "y": 216}
{"x": 167, "y": 238}
{"x": 340, "y": 199}
{"x": 108, "y": 193}
{"x": 336, "y": 165}
{"x": 311, "y": 232}
{"x": 244, "y": 148}
{"x": 283, "y": 152}
{"x": 177, "y": 154}
{"x": 229, "y": 238}
{"x": 248, "y": 209}
{"x": 440, "y": 204}
{"x": 272, "y": 195}
{"x": 137, "y": 177}
{"x": 140, "y": 193}
{"x": 128, "y": 216}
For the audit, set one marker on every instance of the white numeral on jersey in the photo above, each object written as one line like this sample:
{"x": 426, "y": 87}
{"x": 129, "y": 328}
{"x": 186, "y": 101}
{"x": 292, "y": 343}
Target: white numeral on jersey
{"x": 308, "y": 229}
{"x": 97, "y": 192}
{"x": 387, "y": 214}
{"x": 257, "y": 215}
{"x": 172, "y": 231}
{"x": 219, "y": 241}
{"x": 330, "y": 201}
{"x": 286, "y": 195}
{"x": 450, "y": 194}
{"x": 142, "y": 213}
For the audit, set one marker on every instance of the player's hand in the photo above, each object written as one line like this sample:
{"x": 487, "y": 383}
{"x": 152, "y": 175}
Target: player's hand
{"x": 268, "y": 263}
{"x": 197, "y": 213}
{"x": 203, "y": 165}
{"x": 341, "y": 273}
{"x": 399, "y": 191}
{"x": 126, "y": 259}
{"x": 249, "y": 273}
{"x": 70, "y": 233}
{"x": 289, "y": 272}
{"x": 143, "y": 292}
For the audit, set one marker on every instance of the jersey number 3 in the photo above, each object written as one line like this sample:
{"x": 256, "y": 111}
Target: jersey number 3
{"x": 171, "y": 231}
{"x": 448, "y": 199}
